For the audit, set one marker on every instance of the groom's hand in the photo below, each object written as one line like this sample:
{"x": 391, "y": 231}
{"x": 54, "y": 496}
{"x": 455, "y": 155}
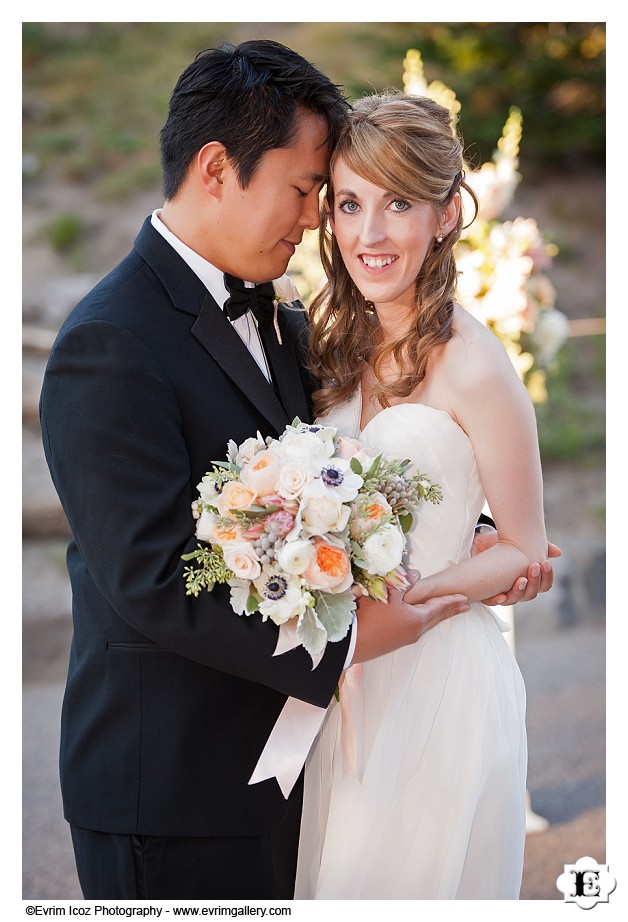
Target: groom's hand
{"x": 386, "y": 626}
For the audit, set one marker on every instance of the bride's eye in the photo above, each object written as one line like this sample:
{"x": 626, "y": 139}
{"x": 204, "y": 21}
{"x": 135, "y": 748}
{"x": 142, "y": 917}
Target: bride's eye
{"x": 400, "y": 204}
{"x": 348, "y": 206}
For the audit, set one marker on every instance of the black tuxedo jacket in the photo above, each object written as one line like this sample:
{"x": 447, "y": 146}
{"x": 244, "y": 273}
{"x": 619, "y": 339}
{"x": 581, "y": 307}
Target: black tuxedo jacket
{"x": 169, "y": 699}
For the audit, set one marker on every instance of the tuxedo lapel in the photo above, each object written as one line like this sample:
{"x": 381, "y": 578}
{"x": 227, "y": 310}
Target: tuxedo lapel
{"x": 214, "y": 332}
{"x": 284, "y": 364}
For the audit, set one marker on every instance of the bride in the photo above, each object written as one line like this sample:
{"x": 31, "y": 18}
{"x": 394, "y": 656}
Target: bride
{"x": 416, "y": 786}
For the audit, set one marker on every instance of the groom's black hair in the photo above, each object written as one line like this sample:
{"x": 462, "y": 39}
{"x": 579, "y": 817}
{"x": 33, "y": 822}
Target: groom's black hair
{"x": 247, "y": 97}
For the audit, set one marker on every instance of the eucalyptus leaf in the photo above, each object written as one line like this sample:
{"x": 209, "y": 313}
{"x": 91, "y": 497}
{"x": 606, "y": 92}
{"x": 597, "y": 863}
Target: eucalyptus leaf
{"x": 406, "y": 522}
{"x": 355, "y": 465}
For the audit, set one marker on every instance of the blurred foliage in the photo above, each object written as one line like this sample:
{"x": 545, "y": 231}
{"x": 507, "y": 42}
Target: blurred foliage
{"x": 571, "y": 423}
{"x": 65, "y": 231}
{"x": 96, "y": 94}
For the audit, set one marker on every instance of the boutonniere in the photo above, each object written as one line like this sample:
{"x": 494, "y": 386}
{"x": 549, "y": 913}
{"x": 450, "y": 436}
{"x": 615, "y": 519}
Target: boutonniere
{"x": 286, "y": 292}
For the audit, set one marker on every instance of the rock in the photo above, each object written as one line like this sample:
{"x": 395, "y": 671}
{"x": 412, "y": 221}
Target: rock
{"x": 50, "y": 303}
{"x": 42, "y": 515}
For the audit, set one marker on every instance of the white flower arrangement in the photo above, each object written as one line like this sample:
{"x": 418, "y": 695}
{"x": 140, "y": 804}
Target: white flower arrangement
{"x": 295, "y": 524}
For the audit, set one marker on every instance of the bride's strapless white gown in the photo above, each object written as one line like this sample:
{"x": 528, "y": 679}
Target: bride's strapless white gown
{"x": 433, "y": 805}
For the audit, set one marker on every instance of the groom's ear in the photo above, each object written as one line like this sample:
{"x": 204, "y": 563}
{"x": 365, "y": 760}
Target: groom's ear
{"x": 212, "y": 162}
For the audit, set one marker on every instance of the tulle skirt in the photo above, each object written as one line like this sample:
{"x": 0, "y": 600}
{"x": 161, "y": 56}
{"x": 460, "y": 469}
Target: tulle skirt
{"x": 415, "y": 787}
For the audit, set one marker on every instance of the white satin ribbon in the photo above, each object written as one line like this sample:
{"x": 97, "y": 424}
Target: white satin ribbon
{"x": 287, "y": 747}
{"x": 352, "y": 721}
{"x": 297, "y": 726}
{"x": 291, "y": 738}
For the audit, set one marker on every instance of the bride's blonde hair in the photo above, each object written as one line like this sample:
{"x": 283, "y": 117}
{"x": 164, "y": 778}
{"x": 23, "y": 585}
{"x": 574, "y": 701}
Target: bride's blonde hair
{"x": 408, "y": 145}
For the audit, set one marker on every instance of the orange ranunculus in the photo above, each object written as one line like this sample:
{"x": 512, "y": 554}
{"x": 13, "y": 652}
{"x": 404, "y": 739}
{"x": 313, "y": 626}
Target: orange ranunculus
{"x": 330, "y": 568}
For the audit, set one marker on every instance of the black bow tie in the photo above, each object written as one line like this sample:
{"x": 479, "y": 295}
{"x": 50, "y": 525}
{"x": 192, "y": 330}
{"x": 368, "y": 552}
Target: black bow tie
{"x": 259, "y": 300}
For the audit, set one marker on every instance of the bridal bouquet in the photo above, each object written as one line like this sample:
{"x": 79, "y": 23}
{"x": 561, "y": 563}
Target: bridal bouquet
{"x": 293, "y": 524}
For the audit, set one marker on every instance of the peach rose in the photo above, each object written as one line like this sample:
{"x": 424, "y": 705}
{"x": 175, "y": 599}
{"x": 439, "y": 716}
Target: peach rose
{"x": 347, "y": 448}
{"x": 234, "y": 495}
{"x": 262, "y": 473}
{"x": 329, "y": 569}
{"x": 242, "y": 559}
{"x": 292, "y": 479}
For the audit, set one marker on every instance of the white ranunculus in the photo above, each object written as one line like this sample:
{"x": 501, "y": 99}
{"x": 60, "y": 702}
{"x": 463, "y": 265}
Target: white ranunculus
{"x": 294, "y": 556}
{"x": 383, "y": 550}
{"x": 307, "y": 449}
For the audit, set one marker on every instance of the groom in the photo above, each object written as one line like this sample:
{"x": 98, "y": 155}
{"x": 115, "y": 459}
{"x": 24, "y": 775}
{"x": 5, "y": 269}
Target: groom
{"x": 170, "y": 699}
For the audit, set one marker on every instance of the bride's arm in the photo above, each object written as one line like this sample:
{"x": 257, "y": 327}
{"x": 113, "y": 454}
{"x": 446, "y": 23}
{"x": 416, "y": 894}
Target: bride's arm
{"x": 494, "y": 409}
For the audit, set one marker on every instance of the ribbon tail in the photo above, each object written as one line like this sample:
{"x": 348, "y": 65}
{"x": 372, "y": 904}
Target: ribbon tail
{"x": 276, "y": 322}
{"x": 289, "y": 743}
{"x": 352, "y": 718}
{"x": 288, "y": 638}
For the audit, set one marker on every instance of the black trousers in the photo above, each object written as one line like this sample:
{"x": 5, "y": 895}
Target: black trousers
{"x": 133, "y": 867}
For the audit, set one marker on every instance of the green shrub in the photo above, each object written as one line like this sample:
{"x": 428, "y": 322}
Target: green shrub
{"x": 65, "y": 231}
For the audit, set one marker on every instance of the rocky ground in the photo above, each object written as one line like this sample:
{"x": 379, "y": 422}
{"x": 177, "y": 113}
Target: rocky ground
{"x": 559, "y": 639}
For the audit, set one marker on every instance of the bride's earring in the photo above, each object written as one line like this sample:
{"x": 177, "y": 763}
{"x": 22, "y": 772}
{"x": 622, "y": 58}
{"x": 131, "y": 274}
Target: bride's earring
{"x": 440, "y": 238}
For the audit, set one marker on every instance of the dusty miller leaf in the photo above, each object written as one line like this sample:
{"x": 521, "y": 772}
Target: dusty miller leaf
{"x": 311, "y": 632}
{"x": 335, "y": 613}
